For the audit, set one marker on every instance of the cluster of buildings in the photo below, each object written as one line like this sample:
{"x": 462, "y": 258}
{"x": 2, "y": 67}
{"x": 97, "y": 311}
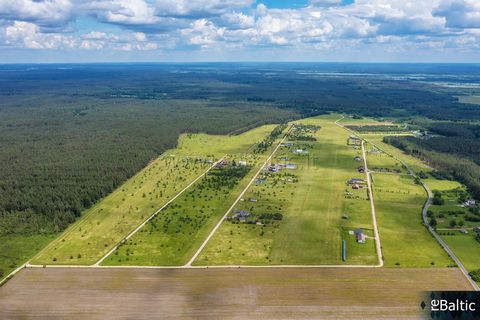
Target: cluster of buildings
{"x": 356, "y": 183}
{"x": 277, "y": 167}
{"x": 222, "y": 164}
{"x": 354, "y": 141}
{"x": 225, "y": 163}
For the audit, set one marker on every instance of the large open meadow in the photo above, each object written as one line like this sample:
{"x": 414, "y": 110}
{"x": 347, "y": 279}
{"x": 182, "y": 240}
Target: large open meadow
{"x": 111, "y": 219}
{"x": 173, "y": 236}
{"x": 405, "y": 241}
{"x": 301, "y": 213}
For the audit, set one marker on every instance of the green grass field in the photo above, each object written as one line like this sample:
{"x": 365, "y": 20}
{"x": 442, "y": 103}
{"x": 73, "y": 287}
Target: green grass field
{"x": 466, "y": 248}
{"x": 405, "y": 241}
{"x": 414, "y": 163}
{"x": 21, "y": 247}
{"x": 110, "y": 220}
{"x": 381, "y": 162}
{"x": 173, "y": 236}
{"x": 312, "y": 199}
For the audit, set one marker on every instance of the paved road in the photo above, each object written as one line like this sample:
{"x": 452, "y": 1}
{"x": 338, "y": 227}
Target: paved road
{"x": 440, "y": 240}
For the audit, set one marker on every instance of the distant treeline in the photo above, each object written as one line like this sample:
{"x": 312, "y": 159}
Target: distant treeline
{"x": 450, "y": 164}
{"x": 456, "y": 138}
{"x": 55, "y": 163}
{"x": 68, "y": 137}
{"x": 376, "y": 128}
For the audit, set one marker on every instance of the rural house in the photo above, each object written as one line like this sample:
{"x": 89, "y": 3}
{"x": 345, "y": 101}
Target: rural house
{"x": 222, "y": 164}
{"x": 356, "y": 181}
{"x": 359, "y": 235}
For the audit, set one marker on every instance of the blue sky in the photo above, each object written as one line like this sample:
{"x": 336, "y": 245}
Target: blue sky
{"x": 239, "y": 30}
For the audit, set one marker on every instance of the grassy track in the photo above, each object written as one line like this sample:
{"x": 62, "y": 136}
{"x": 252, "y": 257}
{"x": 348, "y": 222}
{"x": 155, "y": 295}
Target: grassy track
{"x": 312, "y": 226}
{"x": 111, "y": 219}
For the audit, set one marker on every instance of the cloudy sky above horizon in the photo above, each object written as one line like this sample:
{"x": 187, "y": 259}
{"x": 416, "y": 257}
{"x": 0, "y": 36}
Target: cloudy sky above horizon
{"x": 239, "y": 30}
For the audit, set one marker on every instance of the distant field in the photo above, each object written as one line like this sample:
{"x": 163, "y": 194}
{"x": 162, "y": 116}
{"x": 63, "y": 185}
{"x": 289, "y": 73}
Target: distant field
{"x": 283, "y": 293}
{"x": 311, "y": 198}
{"x": 469, "y": 99}
{"x": 414, "y": 163}
{"x": 405, "y": 241}
{"x": 107, "y": 222}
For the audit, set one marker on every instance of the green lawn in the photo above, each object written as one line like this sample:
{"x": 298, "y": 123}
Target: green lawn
{"x": 466, "y": 248}
{"x": 311, "y": 198}
{"x": 111, "y": 219}
{"x": 382, "y": 162}
{"x": 17, "y": 249}
{"x": 405, "y": 241}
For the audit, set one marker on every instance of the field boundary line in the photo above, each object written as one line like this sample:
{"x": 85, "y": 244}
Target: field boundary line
{"x": 157, "y": 212}
{"x": 425, "y": 207}
{"x": 227, "y": 266}
{"x": 129, "y": 235}
{"x": 378, "y": 244}
{"x": 210, "y": 235}
{"x": 14, "y": 272}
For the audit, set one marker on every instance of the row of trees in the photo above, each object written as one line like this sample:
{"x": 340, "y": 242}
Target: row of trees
{"x": 451, "y": 166}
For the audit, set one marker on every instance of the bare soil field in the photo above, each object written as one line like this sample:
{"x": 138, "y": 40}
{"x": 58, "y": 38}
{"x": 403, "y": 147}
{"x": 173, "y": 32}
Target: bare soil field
{"x": 222, "y": 293}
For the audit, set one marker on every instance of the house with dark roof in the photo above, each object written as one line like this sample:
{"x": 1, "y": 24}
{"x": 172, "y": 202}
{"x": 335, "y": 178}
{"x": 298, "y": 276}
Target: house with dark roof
{"x": 356, "y": 181}
{"x": 241, "y": 215}
{"x": 359, "y": 235}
